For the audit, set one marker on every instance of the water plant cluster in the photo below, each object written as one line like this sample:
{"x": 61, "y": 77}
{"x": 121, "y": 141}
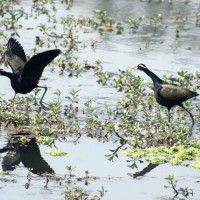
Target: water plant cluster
{"x": 136, "y": 121}
{"x": 175, "y": 155}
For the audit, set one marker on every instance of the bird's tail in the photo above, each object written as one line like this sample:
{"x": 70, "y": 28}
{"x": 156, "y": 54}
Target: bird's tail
{"x": 194, "y": 93}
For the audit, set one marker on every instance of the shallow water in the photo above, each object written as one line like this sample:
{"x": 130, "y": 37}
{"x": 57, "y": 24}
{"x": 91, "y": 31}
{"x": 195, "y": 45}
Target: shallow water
{"x": 115, "y": 52}
{"x": 89, "y": 154}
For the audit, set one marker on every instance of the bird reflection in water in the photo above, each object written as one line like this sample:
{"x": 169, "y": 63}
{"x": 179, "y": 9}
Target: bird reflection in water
{"x": 27, "y": 153}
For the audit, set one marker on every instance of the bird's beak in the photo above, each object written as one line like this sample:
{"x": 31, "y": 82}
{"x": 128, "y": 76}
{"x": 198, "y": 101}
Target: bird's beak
{"x": 134, "y": 67}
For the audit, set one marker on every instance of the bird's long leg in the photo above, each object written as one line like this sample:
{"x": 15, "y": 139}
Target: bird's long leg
{"x": 168, "y": 114}
{"x": 14, "y": 96}
{"x": 181, "y": 105}
{"x": 45, "y": 90}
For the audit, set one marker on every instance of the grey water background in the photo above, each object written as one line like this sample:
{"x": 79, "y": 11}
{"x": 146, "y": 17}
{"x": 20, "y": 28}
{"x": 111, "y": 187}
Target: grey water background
{"x": 115, "y": 52}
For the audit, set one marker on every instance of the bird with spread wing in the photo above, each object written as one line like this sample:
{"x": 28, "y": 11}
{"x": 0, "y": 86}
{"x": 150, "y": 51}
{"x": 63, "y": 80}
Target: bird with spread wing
{"x": 26, "y": 74}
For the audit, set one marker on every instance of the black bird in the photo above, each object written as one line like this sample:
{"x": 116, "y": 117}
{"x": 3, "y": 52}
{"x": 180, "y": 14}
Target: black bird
{"x": 166, "y": 94}
{"x": 26, "y": 74}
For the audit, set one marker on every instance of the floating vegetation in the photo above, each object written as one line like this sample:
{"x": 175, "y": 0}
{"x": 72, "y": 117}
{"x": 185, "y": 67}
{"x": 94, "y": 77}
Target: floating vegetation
{"x": 56, "y": 152}
{"x": 176, "y": 155}
{"x": 132, "y": 119}
{"x": 46, "y": 140}
{"x": 24, "y": 139}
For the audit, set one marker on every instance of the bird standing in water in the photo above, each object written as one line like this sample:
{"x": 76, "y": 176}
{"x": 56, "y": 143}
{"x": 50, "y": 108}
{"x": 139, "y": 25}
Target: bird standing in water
{"x": 26, "y": 74}
{"x": 166, "y": 94}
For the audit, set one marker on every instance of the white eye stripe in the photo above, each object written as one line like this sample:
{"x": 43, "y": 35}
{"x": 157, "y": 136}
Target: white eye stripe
{"x": 142, "y": 65}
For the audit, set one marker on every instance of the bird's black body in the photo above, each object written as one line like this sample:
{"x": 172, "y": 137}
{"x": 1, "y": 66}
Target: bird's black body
{"x": 166, "y": 94}
{"x": 26, "y": 74}
{"x": 23, "y": 85}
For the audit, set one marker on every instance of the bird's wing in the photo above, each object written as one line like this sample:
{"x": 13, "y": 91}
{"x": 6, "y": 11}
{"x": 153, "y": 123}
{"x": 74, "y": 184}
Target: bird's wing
{"x": 15, "y": 56}
{"x": 175, "y": 93}
{"x": 35, "y": 66}
{"x": 16, "y": 49}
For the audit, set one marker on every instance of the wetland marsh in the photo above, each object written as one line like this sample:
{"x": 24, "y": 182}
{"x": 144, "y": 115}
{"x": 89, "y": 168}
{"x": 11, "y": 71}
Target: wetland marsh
{"x": 102, "y": 135}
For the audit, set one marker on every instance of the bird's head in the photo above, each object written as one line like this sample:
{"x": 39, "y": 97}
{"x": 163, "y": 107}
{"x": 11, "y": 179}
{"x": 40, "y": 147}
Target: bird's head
{"x": 140, "y": 67}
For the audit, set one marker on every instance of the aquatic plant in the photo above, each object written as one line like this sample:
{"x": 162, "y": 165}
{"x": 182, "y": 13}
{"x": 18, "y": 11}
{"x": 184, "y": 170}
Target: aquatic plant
{"x": 173, "y": 184}
{"x": 56, "y": 152}
{"x": 175, "y": 155}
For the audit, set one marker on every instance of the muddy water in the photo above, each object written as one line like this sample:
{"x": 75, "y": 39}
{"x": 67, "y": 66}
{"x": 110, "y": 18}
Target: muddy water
{"x": 115, "y": 52}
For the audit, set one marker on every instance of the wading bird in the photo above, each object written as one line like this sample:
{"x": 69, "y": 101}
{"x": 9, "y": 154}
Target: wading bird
{"x": 26, "y": 74}
{"x": 166, "y": 94}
